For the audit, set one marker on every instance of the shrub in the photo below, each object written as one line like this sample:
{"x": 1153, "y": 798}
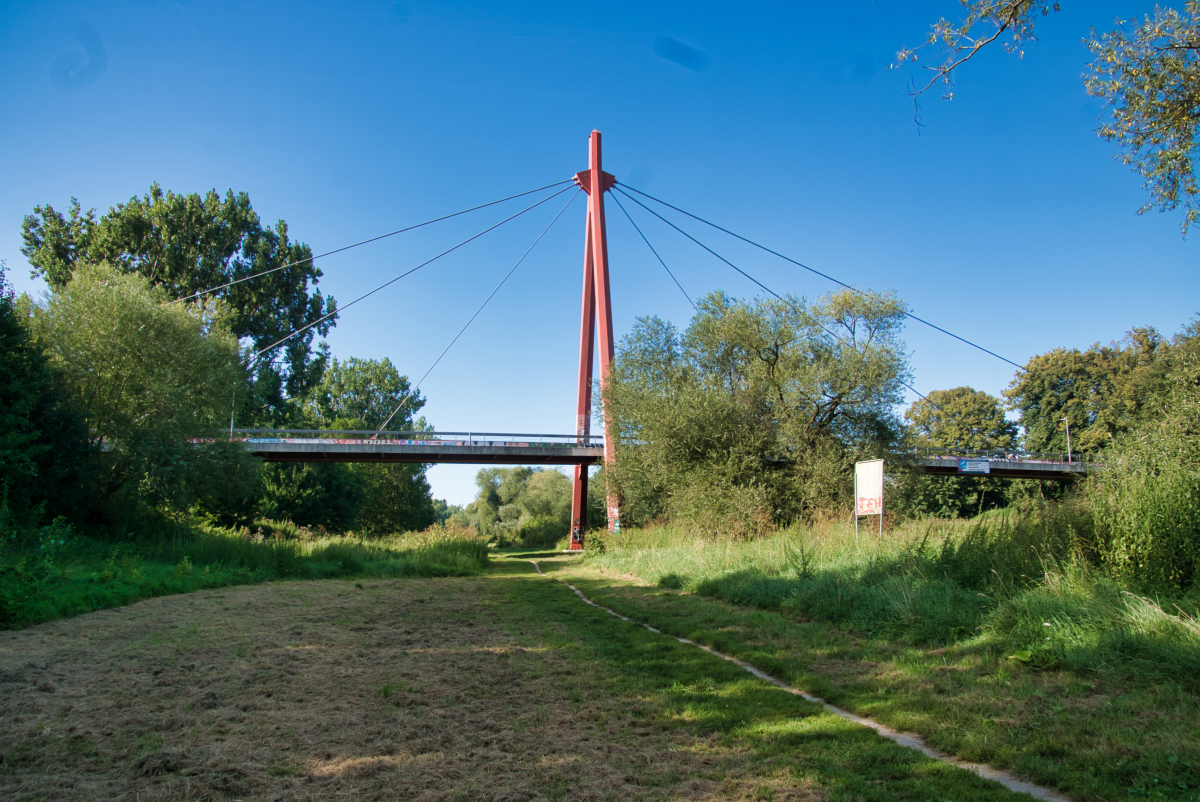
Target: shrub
{"x": 1147, "y": 501}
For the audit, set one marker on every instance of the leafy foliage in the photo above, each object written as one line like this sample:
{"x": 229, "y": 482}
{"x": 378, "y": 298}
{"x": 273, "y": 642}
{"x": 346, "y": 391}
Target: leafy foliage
{"x": 151, "y": 376}
{"x": 42, "y": 441}
{"x": 363, "y": 394}
{"x": 186, "y": 244}
{"x": 958, "y": 418}
{"x": 370, "y": 499}
{"x": 753, "y": 417}
{"x": 1147, "y": 72}
{"x": 961, "y": 418}
{"x": 396, "y": 499}
{"x": 1010, "y": 22}
{"x": 527, "y": 506}
{"x": 1103, "y": 391}
{"x": 1147, "y": 499}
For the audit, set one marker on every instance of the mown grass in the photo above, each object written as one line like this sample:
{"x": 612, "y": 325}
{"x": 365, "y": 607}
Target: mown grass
{"x": 57, "y": 574}
{"x": 1113, "y": 736}
{"x": 1018, "y": 582}
{"x": 663, "y": 685}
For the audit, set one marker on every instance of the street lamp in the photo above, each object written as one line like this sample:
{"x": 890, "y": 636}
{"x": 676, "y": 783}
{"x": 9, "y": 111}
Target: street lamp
{"x": 1068, "y": 421}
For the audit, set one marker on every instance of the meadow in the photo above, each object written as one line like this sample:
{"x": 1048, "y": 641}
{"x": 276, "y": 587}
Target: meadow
{"x": 54, "y": 573}
{"x": 1025, "y": 582}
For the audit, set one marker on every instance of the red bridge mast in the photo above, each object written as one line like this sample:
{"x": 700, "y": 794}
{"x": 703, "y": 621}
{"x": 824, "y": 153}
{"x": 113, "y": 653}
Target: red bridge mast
{"x": 596, "y": 303}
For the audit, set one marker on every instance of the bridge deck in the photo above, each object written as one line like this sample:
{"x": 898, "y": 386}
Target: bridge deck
{"x": 1007, "y": 466}
{"x": 452, "y": 447}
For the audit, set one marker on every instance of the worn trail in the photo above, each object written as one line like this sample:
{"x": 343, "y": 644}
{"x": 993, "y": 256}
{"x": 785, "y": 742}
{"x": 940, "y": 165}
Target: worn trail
{"x": 909, "y": 740}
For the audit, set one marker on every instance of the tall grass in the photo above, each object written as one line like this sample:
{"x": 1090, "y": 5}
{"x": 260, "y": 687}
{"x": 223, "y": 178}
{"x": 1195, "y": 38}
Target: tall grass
{"x": 58, "y": 575}
{"x": 1019, "y": 580}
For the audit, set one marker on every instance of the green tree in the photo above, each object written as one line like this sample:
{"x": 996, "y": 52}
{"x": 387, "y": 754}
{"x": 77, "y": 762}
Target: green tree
{"x": 961, "y": 418}
{"x": 150, "y": 376}
{"x": 42, "y": 442}
{"x": 1146, "y": 501}
{"x": 324, "y": 494}
{"x": 1102, "y": 391}
{"x": 1147, "y": 72}
{"x": 363, "y": 394}
{"x": 528, "y": 506}
{"x": 753, "y": 417}
{"x": 371, "y": 499}
{"x": 187, "y": 244}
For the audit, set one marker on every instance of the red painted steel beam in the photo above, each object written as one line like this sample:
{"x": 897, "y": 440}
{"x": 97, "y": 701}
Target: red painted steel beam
{"x": 597, "y": 309}
{"x": 583, "y": 403}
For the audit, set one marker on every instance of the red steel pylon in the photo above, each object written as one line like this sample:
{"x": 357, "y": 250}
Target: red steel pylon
{"x": 596, "y": 304}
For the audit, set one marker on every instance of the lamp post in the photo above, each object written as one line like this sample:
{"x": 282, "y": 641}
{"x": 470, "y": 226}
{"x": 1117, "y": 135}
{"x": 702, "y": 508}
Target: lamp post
{"x": 1068, "y": 421}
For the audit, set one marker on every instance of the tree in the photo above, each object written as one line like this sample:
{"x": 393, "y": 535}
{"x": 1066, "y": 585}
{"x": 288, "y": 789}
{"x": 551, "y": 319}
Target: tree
{"x": 1102, "y": 391}
{"x": 1147, "y": 72}
{"x": 753, "y": 416}
{"x": 321, "y": 494}
{"x": 42, "y": 448}
{"x": 526, "y": 505}
{"x": 961, "y": 418}
{"x": 151, "y": 376}
{"x": 1146, "y": 501}
{"x": 186, "y": 244}
{"x": 371, "y": 499}
{"x": 363, "y": 394}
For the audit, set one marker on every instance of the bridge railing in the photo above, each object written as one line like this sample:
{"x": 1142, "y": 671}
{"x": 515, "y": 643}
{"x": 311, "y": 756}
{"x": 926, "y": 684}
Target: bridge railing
{"x": 517, "y": 439}
{"x": 1006, "y": 454}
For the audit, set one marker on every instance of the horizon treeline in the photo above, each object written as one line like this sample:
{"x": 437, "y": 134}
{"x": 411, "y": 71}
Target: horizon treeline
{"x": 747, "y": 421}
{"x": 130, "y": 358}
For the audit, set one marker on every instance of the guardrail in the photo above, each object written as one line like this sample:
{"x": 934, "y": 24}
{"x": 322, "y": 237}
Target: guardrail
{"x": 1007, "y": 454}
{"x": 425, "y": 438}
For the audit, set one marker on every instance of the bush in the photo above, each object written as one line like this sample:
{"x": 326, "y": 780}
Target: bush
{"x": 1147, "y": 501}
{"x": 35, "y": 587}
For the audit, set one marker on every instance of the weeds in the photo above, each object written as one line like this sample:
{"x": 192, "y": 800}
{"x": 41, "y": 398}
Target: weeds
{"x": 60, "y": 575}
{"x": 1026, "y": 582}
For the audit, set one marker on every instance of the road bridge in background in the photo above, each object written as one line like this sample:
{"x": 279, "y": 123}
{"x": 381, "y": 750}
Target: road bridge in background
{"x": 1003, "y": 464}
{"x": 472, "y": 448}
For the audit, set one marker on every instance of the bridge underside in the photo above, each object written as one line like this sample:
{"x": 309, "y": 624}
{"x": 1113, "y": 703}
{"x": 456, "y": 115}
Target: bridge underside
{"x": 1008, "y": 469}
{"x": 377, "y": 452}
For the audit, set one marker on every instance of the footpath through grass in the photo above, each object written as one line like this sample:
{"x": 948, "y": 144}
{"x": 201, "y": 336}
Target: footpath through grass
{"x": 499, "y": 687}
{"x": 1041, "y": 667}
{"x": 59, "y": 574}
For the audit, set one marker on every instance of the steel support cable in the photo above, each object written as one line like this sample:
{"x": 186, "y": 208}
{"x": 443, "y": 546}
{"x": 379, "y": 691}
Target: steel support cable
{"x": 819, "y": 273}
{"x": 406, "y": 273}
{"x": 752, "y": 278}
{"x": 367, "y": 241}
{"x": 656, "y": 256}
{"x": 417, "y": 387}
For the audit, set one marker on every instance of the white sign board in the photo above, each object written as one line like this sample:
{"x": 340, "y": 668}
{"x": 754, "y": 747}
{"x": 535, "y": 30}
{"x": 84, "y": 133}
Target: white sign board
{"x": 974, "y": 466}
{"x": 868, "y": 487}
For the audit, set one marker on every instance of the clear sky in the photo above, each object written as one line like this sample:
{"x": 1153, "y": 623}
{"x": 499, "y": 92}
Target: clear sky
{"x": 1004, "y": 218}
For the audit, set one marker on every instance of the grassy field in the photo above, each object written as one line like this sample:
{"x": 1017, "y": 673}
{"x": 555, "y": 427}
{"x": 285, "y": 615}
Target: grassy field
{"x": 1020, "y": 583}
{"x": 502, "y": 684}
{"x": 1027, "y": 661}
{"x": 60, "y": 575}
{"x": 497, "y": 687}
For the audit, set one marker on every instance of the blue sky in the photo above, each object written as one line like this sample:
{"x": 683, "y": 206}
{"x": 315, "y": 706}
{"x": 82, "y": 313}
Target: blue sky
{"x": 1004, "y": 218}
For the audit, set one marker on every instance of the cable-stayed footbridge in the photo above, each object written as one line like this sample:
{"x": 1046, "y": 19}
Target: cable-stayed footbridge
{"x": 472, "y": 448}
{"x": 581, "y": 449}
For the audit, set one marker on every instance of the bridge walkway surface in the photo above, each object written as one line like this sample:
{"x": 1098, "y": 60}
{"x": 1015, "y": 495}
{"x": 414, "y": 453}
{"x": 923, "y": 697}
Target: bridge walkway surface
{"x": 319, "y": 445}
{"x": 1008, "y": 464}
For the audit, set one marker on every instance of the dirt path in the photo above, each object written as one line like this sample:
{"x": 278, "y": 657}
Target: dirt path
{"x": 407, "y": 689}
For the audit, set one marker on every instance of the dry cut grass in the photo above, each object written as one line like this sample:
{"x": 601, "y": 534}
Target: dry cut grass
{"x": 408, "y": 689}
